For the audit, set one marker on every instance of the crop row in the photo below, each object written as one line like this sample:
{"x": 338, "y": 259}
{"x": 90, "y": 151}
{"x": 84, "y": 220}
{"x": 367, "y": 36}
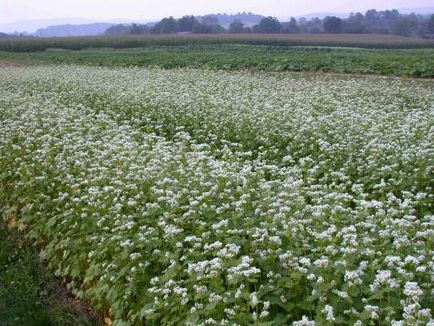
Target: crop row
{"x": 229, "y": 57}
{"x": 135, "y": 41}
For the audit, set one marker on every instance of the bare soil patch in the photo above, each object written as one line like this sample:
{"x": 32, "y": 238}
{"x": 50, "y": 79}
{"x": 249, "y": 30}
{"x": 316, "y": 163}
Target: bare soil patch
{"x": 5, "y": 64}
{"x": 355, "y": 75}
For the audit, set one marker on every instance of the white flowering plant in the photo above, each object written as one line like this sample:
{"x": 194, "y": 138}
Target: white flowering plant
{"x": 208, "y": 198}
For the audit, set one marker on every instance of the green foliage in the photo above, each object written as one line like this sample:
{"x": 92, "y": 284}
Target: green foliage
{"x": 236, "y": 27}
{"x": 332, "y": 24}
{"x": 185, "y": 24}
{"x": 430, "y": 27}
{"x": 165, "y": 26}
{"x": 138, "y": 29}
{"x": 131, "y": 41}
{"x": 404, "y": 26}
{"x": 200, "y": 28}
{"x": 28, "y": 294}
{"x": 119, "y": 29}
{"x": 268, "y": 25}
{"x": 185, "y": 195}
{"x": 405, "y": 63}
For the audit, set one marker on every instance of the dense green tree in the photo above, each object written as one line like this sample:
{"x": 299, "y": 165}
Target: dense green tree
{"x": 200, "y": 28}
{"x": 185, "y": 23}
{"x": 209, "y": 20}
{"x": 291, "y": 27}
{"x": 236, "y": 27}
{"x": 268, "y": 25}
{"x": 372, "y": 17}
{"x": 388, "y": 17}
{"x": 139, "y": 29}
{"x": 208, "y": 25}
{"x": 406, "y": 26}
{"x": 248, "y": 29}
{"x": 247, "y": 18}
{"x": 373, "y": 21}
{"x": 354, "y": 24}
{"x": 430, "y": 25}
{"x": 313, "y": 25}
{"x": 332, "y": 24}
{"x": 166, "y": 25}
{"x": 123, "y": 29}
{"x": 4, "y": 35}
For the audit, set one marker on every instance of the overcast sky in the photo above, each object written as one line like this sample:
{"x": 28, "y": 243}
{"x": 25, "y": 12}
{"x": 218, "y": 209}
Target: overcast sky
{"x": 19, "y": 10}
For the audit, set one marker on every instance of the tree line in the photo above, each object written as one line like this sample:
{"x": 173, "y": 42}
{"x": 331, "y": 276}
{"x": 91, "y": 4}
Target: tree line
{"x": 372, "y": 22}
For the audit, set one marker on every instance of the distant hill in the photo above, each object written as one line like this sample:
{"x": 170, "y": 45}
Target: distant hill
{"x": 4, "y": 35}
{"x": 420, "y": 11}
{"x": 85, "y": 27}
{"x": 73, "y": 30}
{"x": 31, "y": 26}
{"x": 81, "y": 27}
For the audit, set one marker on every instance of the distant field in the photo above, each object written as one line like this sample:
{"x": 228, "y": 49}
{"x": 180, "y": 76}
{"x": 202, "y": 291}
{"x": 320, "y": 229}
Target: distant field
{"x": 389, "y": 62}
{"x": 345, "y": 40}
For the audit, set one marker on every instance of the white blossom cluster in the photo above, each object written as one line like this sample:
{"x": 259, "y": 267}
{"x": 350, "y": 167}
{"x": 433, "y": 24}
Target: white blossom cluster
{"x": 210, "y": 198}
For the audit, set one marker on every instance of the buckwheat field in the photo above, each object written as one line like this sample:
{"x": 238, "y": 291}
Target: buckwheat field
{"x": 195, "y": 197}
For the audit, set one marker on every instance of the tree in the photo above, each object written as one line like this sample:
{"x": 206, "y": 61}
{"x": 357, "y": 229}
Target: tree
{"x": 354, "y": 24}
{"x": 4, "y": 35}
{"x": 332, "y": 24}
{"x": 236, "y": 27}
{"x": 268, "y": 25}
{"x": 138, "y": 29}
{"x": 123, "y": 29}
{"x": 119, "y": 29}
{"x": 388, "y": 17}
{"x": 248, "y": 29}
{"x": 185, "y": 24}
{"x": 209, "y": 20}
{"x": 200, "y": 28}
{"x": 166, "y": 25}
{"x": 406, "y": 26}
{"x": 430, "y": 25}
{"x": 291, "y": 27}
{"x": 371, "y": 17}
{"x": 313, "y": 25}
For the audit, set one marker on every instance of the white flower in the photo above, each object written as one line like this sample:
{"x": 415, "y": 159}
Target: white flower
{"x": 304, "y": 322}
{"x": 254, "y": 299}
{"x": 328, "y": 310}
{"x": 373, "y": 310}
{"x": 412, "y": 290}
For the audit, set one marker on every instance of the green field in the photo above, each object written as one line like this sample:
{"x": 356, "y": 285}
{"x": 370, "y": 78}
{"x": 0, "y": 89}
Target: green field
{"x": 205, "y": 197}
{"x": 354, "y": 54}
{"x": 344, "y": 40}
{"x": 390, "y": 62}
{"x": 216, "y": 180}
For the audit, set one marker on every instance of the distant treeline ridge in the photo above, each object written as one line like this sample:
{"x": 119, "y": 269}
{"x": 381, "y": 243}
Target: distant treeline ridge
{"x": 372, "y": 22}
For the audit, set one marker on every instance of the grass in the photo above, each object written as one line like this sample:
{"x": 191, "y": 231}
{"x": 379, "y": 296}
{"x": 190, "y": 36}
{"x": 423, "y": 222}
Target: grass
{"x": 29, "y": 295}
{"x": 389, "y": 62}
{"x": 345, "y": 40}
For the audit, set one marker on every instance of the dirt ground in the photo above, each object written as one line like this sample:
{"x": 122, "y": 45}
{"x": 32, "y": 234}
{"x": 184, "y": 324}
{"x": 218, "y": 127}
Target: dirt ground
{"x": 4, "y": 64}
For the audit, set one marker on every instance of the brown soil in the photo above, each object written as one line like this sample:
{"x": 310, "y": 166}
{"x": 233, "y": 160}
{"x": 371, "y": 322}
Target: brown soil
{"x": 377, "y": 76}
{"x": 355, "y": 75}
{"x": 4, "y": 64}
